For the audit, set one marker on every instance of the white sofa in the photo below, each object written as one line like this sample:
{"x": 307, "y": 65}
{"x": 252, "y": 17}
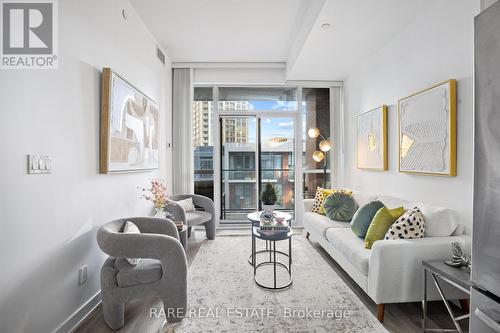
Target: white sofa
{"x": 391, "y": 272}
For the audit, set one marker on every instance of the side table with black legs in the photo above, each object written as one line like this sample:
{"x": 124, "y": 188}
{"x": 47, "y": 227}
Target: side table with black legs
{"x": 272, "y": 238}
{"x": 254, "y": 218}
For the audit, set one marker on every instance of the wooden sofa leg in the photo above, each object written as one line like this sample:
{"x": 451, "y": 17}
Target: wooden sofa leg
{"x": 380, "y": 312}
{"x": 464, "y": 304}
{"x": 307, "y": 235}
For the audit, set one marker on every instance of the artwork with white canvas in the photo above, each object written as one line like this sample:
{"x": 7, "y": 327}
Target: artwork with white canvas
{"x": 427, "y": 131}
{"x": 372, "y": 139}
{"x": 130, "y": 139}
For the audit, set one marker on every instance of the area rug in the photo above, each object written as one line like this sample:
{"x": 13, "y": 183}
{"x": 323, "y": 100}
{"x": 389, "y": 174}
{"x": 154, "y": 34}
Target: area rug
{"x": 223, "y": 297}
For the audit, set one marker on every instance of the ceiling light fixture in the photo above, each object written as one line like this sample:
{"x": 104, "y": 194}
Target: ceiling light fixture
{"x": 326, "y": 26}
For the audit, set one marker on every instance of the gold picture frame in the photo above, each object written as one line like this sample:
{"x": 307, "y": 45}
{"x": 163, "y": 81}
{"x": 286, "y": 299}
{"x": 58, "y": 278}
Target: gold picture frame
{"x": 427, "y": 131}
{"x": 371, "y": 139}
{"x": 130, "y": 127}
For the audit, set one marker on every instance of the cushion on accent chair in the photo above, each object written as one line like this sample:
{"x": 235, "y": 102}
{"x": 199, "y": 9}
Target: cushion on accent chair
{"x": 363, "y": 217}
{"x": 408, "y": 226}
{"x": 186, "y": 204}
{"x": 381, "y": 222}
{"x": 340, "y": 206}
{"x": 131, "y": 228}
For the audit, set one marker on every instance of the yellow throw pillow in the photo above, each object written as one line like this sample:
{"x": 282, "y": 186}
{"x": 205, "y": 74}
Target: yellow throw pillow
{"x": 381, "y": 222}
{"x": 320, "y": 196}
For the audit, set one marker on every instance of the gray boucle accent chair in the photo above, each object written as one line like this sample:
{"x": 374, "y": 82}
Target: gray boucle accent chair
{"x": 198, "y": 217}
{"x": 162, "y": 272}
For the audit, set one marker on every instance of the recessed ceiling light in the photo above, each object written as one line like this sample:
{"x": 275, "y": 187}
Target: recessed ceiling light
{"x": 326, "y": 26}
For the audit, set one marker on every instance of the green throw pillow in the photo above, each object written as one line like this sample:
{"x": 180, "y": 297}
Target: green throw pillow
{"x": 363, "y": 217}
{"x": 340, "y": 206}
{"x": 381, "y": 222}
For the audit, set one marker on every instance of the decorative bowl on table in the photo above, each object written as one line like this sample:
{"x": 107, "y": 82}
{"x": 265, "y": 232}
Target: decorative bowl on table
{"x": 279, "y": 219}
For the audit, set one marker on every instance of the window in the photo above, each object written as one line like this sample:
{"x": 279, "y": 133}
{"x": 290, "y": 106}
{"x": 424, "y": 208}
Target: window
{"x": 257, "y": 99}
{"x": 203, "y": 141}
{"x": 315, "y": 112}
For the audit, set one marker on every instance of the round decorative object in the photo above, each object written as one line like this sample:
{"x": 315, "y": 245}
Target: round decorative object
{"x": 318, "y": 156}
{"x": 325, "y": 145}
{"x": 313, "y": 132}
{"x": 340, "y": 206}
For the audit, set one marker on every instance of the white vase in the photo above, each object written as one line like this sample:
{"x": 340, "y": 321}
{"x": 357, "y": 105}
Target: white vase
{"x": 267, "y": 208}
{"x": 159, "y": 212}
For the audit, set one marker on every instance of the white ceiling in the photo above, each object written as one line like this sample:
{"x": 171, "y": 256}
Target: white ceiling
{"x": 279, "y": 31}
{"x": 222, "y": 30}
{"x": 358, "y": 29}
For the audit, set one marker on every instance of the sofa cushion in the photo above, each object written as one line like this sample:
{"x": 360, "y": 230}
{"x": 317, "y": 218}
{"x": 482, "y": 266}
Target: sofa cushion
{"x": 363, "y": 217}
{"x": 350, "y": 246}
{"x": 146, "y": 271}
{"x": 390, "y": 201}
{"x": 321, "y": 223}
{"x": 408, "y": 226}
{"x": 197, "y": 217}
{"x": 439, "y": 221}
{"x": 340, "y": 206}
{"x": 362, "y": 198}
{"x": 381, "y": 222}
{"x": 319, "y": 197}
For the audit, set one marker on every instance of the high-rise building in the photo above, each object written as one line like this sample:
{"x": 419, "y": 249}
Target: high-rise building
{"x": 235, "y": 131}
{"x": 202, "y": 123}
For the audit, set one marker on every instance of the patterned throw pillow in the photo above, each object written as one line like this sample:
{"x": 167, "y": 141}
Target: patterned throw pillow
{"x": 320, "y": 196}
{"x": 340, "y": 206}
{"x": 408, "y": 226}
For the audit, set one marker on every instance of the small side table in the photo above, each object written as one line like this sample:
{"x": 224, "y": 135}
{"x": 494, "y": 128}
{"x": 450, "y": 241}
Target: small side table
{"x": 272, "y": 238}
{"x": 457, "y": 277}
{"x": 254, "y": 218}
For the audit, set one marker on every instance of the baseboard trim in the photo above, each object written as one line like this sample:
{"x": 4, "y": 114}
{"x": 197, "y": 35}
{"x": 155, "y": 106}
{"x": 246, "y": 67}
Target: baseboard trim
{"x": 72, "y": 323}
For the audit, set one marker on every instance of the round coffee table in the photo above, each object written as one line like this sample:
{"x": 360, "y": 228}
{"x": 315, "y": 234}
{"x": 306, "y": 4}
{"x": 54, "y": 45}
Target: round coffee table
{"x": 255, "y": 219}
{"x": 272, "y": 238}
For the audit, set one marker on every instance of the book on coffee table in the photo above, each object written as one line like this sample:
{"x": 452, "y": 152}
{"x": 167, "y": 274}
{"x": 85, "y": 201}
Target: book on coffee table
{"x": 274, "y": 228}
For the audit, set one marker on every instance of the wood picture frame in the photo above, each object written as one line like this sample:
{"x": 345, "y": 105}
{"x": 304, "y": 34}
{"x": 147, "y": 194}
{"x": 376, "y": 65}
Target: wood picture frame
{"x": 371, "y": 139}
{"x": 129, "y": 130}
{"x": 427, "y": 131}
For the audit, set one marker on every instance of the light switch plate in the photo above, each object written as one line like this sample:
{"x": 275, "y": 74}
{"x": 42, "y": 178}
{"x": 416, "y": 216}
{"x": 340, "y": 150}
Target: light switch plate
{"x": 38, "y": 164}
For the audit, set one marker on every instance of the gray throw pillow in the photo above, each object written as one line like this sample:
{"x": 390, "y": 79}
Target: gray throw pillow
{"x": 363, "y": 217}
{"x": 340, "y": 206}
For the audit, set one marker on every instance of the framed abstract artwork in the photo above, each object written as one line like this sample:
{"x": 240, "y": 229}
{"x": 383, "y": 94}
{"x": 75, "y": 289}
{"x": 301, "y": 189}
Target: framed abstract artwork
{"x": 371, "y": 132}
{"x": 427, "y": 131}
{"x": 129, "y": 138}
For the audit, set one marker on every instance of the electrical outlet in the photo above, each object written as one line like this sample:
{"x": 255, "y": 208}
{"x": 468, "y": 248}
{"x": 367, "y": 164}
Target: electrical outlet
{"x": 82, "y": 275}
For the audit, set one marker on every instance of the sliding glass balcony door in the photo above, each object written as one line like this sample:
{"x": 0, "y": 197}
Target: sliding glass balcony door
{"x": 255, "y": 150}
{"x": 277, "y": 159}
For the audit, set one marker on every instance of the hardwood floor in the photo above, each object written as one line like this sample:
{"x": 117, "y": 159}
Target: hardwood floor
{"x": 404, "y": 317}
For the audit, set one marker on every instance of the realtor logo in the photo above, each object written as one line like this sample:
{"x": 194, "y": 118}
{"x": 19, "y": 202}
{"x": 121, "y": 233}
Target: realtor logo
{"x": 29, "y": 34}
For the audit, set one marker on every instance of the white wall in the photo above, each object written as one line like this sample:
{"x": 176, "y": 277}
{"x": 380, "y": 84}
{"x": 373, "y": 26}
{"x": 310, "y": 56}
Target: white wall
{"x": 240, "y": 76}
{"x": 49, "y": 222}
{"x": 435, "y": 47}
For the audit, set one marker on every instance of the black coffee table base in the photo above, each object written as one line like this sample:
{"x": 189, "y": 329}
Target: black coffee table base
{"x": 268, "y": 251}
{"x": 271, "y": 249}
